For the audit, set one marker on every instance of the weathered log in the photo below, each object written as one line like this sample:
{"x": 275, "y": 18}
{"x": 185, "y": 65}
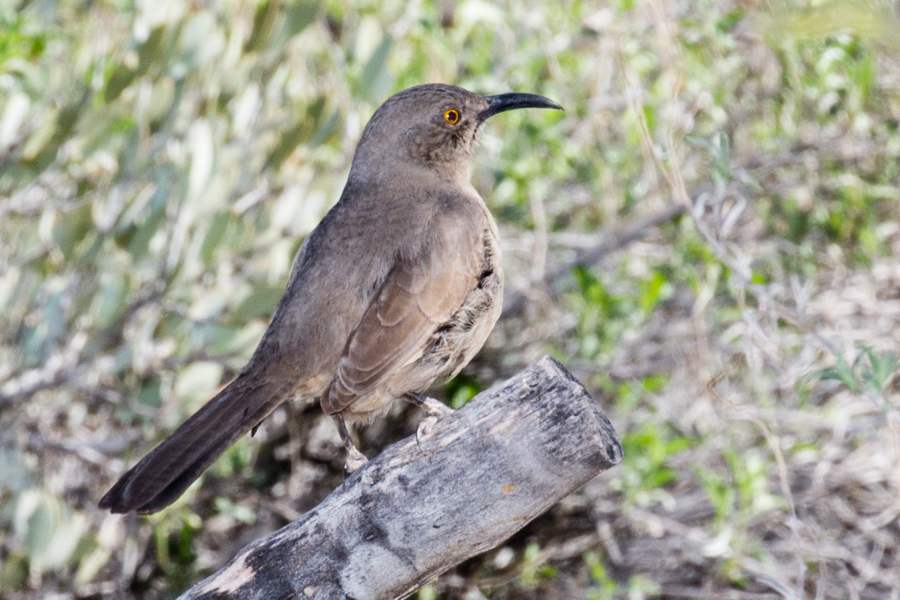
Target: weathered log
{"x": 423, "y": 506}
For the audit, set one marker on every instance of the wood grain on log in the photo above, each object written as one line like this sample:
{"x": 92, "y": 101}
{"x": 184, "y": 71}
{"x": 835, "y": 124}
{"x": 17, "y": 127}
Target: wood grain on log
{"x": 423, "y": 506}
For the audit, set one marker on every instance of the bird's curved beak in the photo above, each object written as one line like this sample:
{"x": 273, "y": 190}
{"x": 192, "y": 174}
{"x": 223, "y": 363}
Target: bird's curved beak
{"x": 504, "y": 102}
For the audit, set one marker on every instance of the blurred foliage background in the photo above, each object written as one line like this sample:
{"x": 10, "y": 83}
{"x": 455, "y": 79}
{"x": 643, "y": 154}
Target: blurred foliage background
{"x": 707, "y": 237}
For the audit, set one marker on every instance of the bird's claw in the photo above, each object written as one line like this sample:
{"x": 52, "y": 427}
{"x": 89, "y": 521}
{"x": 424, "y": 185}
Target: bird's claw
{"x": 435, "y": 410}
{"x": 425, "y": 427}
{"x": 431, "y": 407}
{"x": 355, "y": 459}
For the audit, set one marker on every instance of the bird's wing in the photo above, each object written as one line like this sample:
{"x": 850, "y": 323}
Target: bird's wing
{"x": 420, "y": 293}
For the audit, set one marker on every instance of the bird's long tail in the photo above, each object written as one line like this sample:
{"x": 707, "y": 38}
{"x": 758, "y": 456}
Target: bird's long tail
{"x": 164, "y": 474}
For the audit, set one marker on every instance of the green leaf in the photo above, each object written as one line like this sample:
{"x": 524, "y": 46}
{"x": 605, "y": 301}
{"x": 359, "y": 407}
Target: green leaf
{"x": 149, "y": 394}
{"x": 721, "y": 493}
{"x": 13, "y": 571}
{"x": 300, "y": 15}
{"x": 325, "y": 130}
{"x": 48, "y": 530}
{"x": 655, "y": 383}
{"x": 121, "y": 78}
{"x": 72, "y": 228}
{"x": 844, "y": 373}
{"x": 650, "y": 291}
{"x": 152, "y": 50}
{"x": 427, "y": 593}
{"x": 298, "y": 133}
{"x": 40, "y": 137}
{"x": 263, "y": 24}
{"x": 460, "y": 390}
{"x": 214, "y": 236}
{"x": 41, "y": 148}
{"x": 39, "y": 530}
{"x": 260, "y": 303}
{"x": 374, "y": 82}
{"x": 198, "y": 380}
{"x": 112, "y": 300}
{"x": 880, "y": 370}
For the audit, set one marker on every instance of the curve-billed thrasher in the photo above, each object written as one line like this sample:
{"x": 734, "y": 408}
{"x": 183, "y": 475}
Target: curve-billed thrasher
{"x": 398, "y": 287}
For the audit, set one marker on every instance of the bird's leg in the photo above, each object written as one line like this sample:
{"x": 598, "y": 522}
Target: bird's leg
{"x": 434, "y": 409}
{"x": 355, "y": 458}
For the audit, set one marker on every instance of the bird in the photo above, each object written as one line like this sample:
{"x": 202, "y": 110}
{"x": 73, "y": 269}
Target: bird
{"x": 395, "y": 290}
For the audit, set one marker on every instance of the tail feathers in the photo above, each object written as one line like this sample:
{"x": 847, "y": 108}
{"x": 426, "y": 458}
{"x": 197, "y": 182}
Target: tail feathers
{"x": 164, "y": 474}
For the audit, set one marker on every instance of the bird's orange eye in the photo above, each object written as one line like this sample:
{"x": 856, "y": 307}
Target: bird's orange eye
{"x": 451, "y": 116}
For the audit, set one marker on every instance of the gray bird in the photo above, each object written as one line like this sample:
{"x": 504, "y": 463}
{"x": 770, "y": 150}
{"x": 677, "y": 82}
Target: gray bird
{"x": 397, "y": 288}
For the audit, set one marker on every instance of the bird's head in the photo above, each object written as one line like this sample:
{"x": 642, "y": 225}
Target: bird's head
{"x": 433, "y": 126}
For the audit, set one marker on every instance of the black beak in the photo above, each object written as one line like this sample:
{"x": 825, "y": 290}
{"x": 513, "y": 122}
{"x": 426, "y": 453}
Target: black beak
{"x": 505, "y": 102}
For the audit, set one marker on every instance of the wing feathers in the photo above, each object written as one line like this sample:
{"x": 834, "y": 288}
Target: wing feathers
{"x": 420, "y": 294}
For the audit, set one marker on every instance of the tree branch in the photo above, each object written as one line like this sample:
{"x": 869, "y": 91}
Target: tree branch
{"x": 423, "y": 506}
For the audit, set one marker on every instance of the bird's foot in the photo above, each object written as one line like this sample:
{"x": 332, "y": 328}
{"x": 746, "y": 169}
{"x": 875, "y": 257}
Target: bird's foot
{"x": 423, "y": 431}
{"x": 434, "y": 409}
{"x": 355, "y": 459}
